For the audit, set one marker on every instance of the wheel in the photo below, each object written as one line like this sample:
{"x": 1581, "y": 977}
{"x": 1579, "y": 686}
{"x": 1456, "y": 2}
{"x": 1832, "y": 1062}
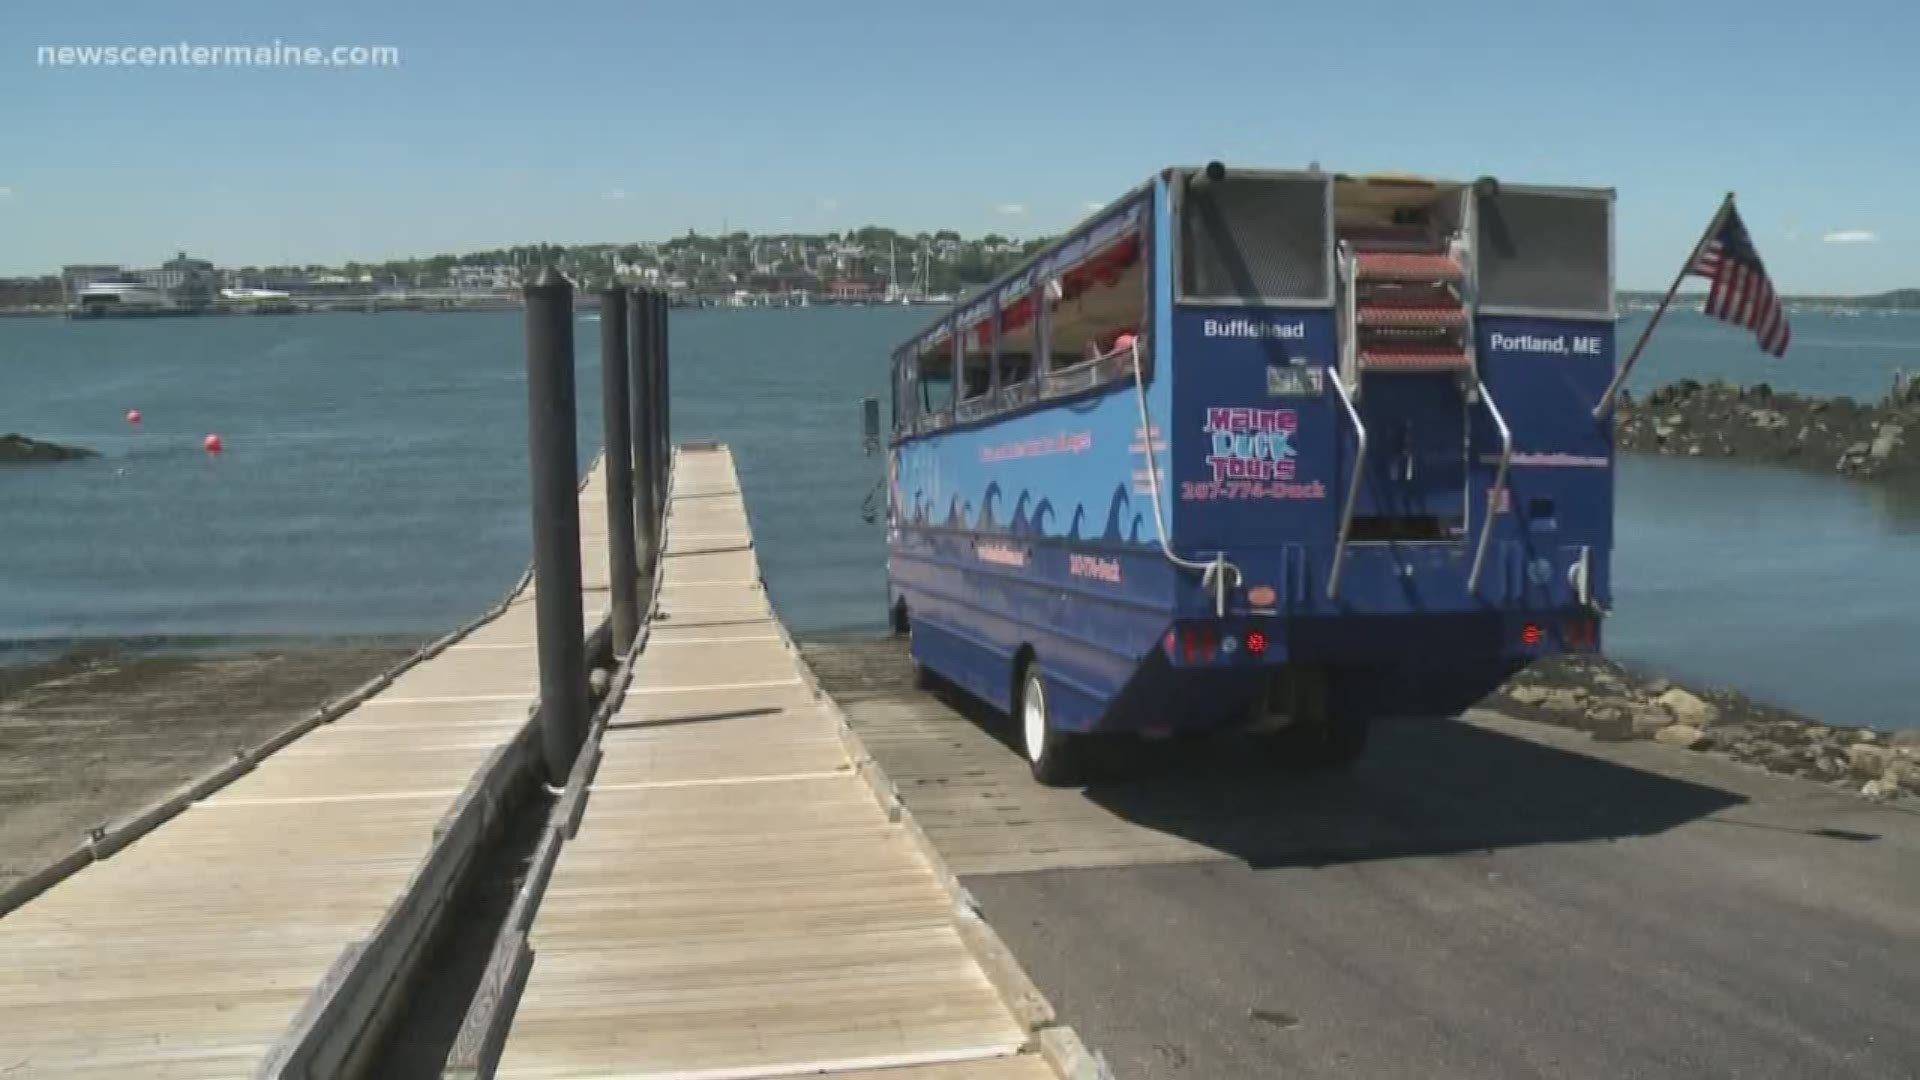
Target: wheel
{"x": 1050, "y": 751}
{"x": 1321, "y": 744}
{"x": 923, "y": 676}
{"x": 1322, "y": 736}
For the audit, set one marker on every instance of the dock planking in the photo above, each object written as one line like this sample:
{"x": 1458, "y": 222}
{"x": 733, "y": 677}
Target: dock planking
{"x": 187, "y": 953}
{"x": 737, "y": 902}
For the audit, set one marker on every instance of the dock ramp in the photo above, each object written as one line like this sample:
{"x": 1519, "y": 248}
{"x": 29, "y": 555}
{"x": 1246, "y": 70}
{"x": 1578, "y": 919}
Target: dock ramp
{"x": 741, "y": 898}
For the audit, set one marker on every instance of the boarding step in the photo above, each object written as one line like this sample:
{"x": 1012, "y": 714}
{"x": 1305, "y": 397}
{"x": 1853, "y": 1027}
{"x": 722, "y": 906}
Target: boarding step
{"x": 1396, "y": 316}
{"x": 1386, "y": 358}
{"x": 1378, "y": 237}
{"x": 1407, "y": 266}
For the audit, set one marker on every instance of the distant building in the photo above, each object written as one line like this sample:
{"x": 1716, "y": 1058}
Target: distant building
{"x": 288, "y": 279}
{"x": 80, "y": 275}
{"x": 178, "y": 273}
{"x": 783, "y": 281}
{"x": 483, "y": 277}
{"x": 843, "y": 289}
{"x": 40, "y": 292}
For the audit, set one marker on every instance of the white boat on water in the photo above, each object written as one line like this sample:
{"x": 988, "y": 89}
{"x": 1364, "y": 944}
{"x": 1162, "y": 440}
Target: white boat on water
{"x": 121, "y": 295}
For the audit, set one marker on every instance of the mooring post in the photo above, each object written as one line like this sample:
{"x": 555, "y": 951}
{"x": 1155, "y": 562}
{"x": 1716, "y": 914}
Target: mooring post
{"x": 663, "y": 406}
{"x": 555, "y": 471}
{"x": 656, "y": 417}
{"x": 622, "y": 565}
{"x": 666, "y": 396}
{"x": 646, "y": 474}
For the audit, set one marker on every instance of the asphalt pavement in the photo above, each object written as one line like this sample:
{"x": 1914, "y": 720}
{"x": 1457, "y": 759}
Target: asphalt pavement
{"x": 1481, "y": 897}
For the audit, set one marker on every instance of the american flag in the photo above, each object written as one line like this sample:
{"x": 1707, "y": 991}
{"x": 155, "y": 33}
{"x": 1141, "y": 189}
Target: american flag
{"x": 1742, "y": 293}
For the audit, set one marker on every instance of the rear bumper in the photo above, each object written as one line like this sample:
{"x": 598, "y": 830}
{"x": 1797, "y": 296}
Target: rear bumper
{"x": 1413, "y": 579}
{"x": 1239, "y": 641}
{"x": 1377, "y": 665}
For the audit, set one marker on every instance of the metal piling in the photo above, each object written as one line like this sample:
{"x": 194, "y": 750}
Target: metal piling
{"x": 622, "y": 565}
{"x": 554, "y": 471}
{"x": 645, "y": 446}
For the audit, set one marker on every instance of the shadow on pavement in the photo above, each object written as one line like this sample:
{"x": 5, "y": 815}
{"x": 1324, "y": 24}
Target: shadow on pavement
{"x": 1425, "y": 786}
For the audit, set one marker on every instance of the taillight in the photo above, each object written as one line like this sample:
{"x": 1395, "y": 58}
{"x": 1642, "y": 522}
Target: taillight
{"x": 1198, "y": 644}
{"x": 1256, "y": 642}
{"x": 1530, "y": 635}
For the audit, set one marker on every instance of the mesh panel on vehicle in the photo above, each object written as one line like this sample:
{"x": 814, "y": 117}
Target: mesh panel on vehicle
{"x": 1545, "y": 252}
{"x": 1255, "y": 238}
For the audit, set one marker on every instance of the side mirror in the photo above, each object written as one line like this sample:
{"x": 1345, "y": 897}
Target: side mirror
{"x": 870, "y": 416}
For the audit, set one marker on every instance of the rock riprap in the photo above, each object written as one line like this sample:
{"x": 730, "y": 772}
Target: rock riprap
{"x": 1693, "y": 419}
{"x": 1610, "y": 702}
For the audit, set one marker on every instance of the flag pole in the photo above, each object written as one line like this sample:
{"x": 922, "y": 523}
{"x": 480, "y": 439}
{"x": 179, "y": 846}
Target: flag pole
{"x": 1605, "y": 405}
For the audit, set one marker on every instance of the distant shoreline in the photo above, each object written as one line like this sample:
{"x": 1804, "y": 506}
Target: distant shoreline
{"x": 1907, "y": 302}
{"x": 320, "y": 307}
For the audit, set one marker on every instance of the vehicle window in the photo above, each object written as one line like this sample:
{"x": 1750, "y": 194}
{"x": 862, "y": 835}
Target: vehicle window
{"x": 976, "y": 360}
{"x": 1096, "y": 306}
{"x": 933, "y": 372}
{"x": 902, "y": 395}
{"x": 1017, "y": 333}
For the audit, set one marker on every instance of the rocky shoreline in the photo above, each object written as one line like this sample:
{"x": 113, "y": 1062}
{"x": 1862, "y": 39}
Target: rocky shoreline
{"x": 1756, "y": 423}
{"x": 17, "y": 448}
{"x": 1614, "y": 703}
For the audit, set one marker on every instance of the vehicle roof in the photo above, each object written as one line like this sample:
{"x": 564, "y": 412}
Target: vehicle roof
{"x": 1014, "y": 282}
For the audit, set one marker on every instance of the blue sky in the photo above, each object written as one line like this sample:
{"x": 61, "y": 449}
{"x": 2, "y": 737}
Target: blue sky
{"x": 584, "y": 120}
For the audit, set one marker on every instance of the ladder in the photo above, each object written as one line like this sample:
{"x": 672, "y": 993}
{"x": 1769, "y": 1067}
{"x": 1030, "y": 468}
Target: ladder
{"x": 1404, "y": 306}
{"x": 1405, "y": 309}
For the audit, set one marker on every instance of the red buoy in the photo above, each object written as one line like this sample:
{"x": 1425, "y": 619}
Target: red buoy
{"x": 133, "y": 417}
{"x": 213, "y": 444}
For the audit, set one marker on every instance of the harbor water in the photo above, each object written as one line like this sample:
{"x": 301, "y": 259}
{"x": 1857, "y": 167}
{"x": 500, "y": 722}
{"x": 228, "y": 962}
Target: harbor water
{"x": 374, "y": 485}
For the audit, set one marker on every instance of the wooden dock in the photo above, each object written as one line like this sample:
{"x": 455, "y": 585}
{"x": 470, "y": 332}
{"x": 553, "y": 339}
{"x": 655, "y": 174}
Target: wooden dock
{"x": 741, "y": 898}
{"x": 191, "y": 951}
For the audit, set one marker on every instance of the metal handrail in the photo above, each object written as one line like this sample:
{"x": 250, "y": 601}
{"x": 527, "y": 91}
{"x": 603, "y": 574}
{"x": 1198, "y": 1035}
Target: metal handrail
{"x": 1349, "y": 315}
{"x": 1494, "y": 492}
{"x": 1353, "y": 484}
{"x": 1213, "y": 573}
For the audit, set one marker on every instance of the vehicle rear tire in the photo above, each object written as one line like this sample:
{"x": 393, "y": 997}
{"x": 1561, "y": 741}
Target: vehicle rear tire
{"x": 1052, "y": 754}
{"x": 923, "y": 676}
{"x": 1322, "y": 736}
{"x": 1322, "y": 744}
